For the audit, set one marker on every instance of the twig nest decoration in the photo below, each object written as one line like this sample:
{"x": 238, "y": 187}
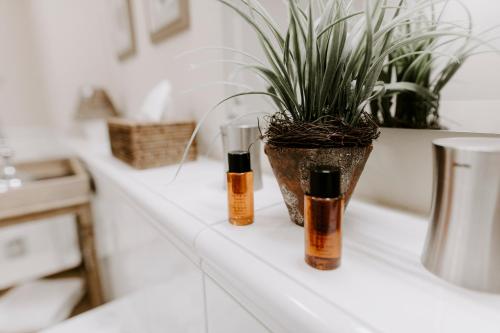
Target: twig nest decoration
{"x": 323, "y": 132}
{"x": 291, "y": 167}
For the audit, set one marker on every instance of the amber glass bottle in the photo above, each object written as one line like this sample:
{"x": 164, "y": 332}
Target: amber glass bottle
{"x": 240, "y": 188}
{"x": 323, "y": 215}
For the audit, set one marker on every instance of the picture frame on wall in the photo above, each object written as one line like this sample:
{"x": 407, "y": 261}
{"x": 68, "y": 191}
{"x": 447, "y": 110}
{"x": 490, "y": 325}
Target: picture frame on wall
{"x": 124, "y": 34}
{"x": 167, "y": 18}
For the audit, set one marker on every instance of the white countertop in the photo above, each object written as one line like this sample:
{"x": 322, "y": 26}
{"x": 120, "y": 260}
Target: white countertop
{"x": 380, "y": 287}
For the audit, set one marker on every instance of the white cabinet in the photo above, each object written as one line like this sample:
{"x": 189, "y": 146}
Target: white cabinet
{"x": 133, "y": 254}
{"x": 154, "y": 274}
{"x": 226, "y": 315}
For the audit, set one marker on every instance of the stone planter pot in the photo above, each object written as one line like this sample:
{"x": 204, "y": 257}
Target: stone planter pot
{"x": 291, "y": 167}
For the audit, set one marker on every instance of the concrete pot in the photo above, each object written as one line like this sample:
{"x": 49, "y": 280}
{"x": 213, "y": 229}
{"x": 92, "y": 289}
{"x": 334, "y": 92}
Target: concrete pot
{"x": 291, "y": 167}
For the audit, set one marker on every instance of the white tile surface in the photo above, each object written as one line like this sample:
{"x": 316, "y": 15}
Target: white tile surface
{"x": 381, "y": 286}
{"x": 198, "y": 189}
{"x": 172, "y": 307}
{"x": 277, "y": 300}
{"x": 226, "y": 315}
{"x": 164, "y": 213}
{"x": 381, "y": 281}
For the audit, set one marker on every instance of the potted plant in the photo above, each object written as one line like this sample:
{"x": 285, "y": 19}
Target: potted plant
{"x": 416, "y": 74}
{"x": 322, "y": 74}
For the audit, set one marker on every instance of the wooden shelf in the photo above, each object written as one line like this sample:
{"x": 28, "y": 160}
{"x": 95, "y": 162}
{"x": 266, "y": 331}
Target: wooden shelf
{"x": 53, "y": 188}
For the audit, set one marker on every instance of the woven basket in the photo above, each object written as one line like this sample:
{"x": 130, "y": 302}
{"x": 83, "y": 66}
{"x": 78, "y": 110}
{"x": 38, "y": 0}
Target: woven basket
{"x": 149, "y": 145}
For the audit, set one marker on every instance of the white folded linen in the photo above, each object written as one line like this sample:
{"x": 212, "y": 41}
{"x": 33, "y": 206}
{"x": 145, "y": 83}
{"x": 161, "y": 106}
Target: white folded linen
{"x": 39, "y": 304}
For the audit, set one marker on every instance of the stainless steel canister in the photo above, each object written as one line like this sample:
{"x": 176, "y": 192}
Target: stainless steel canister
{"x": 463, "y": 240}
{"x": 243, "y": 137}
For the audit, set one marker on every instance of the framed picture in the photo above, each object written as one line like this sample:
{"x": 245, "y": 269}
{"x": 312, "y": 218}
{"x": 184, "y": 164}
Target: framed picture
{"x": 124, "y": 34}
{"x": 167, "y": 18}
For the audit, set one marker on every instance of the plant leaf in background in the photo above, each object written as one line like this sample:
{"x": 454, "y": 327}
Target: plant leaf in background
{"x": 416, "y": 74}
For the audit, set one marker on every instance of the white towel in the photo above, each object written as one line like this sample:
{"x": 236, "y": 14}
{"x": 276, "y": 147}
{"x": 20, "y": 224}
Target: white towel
{"x": 39, "y": 304}
{"x": 158, "y": 104}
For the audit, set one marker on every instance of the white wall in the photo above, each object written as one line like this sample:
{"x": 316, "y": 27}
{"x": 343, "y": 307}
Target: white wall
{"x": 74, "y": 39}
{"x": 72, "y": 50}
{"x": 471, "y": 101}
{"x": 22, "y": 100}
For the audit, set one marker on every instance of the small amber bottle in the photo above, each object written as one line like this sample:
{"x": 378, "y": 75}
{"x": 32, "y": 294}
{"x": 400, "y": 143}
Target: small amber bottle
{"x": 323, "y": 215}
{"x": 240, "y": 188}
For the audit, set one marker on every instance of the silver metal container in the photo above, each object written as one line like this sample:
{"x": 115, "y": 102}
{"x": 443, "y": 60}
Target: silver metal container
{"x": 243, "y": 137}
{"x": 463, "y": 240}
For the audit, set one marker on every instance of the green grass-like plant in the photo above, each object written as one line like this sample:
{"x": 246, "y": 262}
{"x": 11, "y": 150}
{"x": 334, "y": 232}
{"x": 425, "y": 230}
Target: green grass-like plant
{"x": 325, "y": 68}
{"x": 416, "y": 74}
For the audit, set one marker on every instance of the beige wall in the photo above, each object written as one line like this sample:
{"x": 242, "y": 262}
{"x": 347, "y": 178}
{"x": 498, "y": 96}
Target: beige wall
{"x": 471, "y": 101}
{"x": 68, "y": 44}
{"x": 72, "y": 50}
{"x": 22, "y": 100}
{"x": 158, "y": 61}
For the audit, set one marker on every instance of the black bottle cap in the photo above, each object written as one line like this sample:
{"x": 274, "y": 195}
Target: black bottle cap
{"x": 239, "y": 161}
{"x": 325, "y": 182}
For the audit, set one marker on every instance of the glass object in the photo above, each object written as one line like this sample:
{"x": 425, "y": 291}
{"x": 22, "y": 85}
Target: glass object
{"x": 244, "y": 137}
{"x": 8, "y": 172}
{"x": 240, "y": 189}
{"x": 323, "y": 215}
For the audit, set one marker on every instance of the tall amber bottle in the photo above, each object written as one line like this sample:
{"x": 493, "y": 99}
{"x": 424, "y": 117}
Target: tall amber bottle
{"x": 240, "y": 188}
{"x": 323, "y": 215}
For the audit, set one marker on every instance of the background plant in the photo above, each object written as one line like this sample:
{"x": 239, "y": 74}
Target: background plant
{"x": 416, "y": 74}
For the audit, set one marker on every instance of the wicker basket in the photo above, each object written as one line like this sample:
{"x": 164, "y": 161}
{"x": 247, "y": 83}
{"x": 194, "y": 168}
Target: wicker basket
{"x": 149, "y": 145}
